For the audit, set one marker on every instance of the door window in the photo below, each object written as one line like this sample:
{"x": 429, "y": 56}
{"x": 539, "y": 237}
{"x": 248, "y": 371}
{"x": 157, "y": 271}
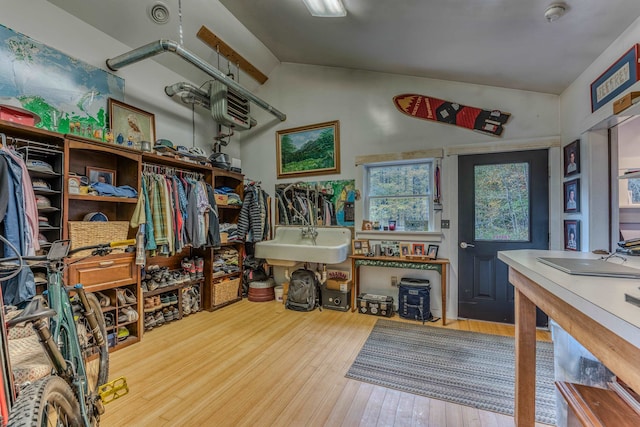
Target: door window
{"x": 502, "y": 208}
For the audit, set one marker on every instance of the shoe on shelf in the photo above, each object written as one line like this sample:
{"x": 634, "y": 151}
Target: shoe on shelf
{"x": 159, "y": 318}
{"x": 149, "y": 304}
{"x": 173, "y": 299}
{"x": 176, "y": 313}
{"x": 104, "y": 300}
{"x": 149, "y": 322}
{"x": 130, "y": 314}
{"x": 199, "y": 264}
{"x": 165, "y": 300}
{"x": 129, "y": 296}
{"x": 144, "y": 287}
{"x": 168, "y": 314}
{"x": 123, "y": 333}
{"x": 109, "y": 319}
{"x": 157, "y": 302}
{"x": 152, "y": 285}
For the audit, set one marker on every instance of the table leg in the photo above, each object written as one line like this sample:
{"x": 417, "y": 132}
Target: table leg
{"x": 443, "y": 291}
{"x": 356, "y": 285}
{"x": 525, "y": 312}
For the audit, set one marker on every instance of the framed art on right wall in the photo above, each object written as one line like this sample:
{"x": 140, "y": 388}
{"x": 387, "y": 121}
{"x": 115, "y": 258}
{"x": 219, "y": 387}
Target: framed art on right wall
{"x": 572, "y": 158}
{"x": 571, "y": 234}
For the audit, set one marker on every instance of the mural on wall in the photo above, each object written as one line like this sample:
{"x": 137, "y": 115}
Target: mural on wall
{"x": 334, "y": 200}
{"x": 424, "y": 107}
{"x": 60, "y": 89}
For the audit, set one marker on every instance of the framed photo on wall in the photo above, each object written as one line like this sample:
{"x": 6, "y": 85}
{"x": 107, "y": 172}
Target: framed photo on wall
{"x": 405, "y": 249}
{"x": 571, "y": 234}
{"x": 572, "y": 196}
{"x": 417, "y": 249}
{"x": 572, "y": 158}
{"x": 129, "y": 123}
{"x": 308, "y": 150}
{"x": 106, "y": 176}
{"x": 432, "y": 251}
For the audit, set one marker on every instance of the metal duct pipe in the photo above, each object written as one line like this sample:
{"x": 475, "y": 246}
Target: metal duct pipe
{"x": 162, "y": 45}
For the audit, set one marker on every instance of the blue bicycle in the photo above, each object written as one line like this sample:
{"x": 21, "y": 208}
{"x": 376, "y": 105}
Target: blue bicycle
{"x": 71, "y": 329}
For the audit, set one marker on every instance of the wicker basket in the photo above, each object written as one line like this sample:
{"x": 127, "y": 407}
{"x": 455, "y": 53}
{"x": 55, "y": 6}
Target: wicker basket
{"x": 85, "y": 233}
{"x": 225, "y": 291}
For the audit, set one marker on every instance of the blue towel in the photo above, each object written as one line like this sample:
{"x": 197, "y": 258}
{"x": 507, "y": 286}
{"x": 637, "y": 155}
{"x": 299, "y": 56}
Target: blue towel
{"x": 105, "y": 189}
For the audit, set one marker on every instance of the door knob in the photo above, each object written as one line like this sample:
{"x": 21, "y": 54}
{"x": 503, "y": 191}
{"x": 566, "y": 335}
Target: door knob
{"x": 465, "y": 245}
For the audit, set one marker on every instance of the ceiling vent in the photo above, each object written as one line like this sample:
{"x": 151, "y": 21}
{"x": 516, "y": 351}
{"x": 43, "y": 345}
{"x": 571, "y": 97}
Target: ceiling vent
{"x": 229, "y": 108}
{"x": 159, "y": 13}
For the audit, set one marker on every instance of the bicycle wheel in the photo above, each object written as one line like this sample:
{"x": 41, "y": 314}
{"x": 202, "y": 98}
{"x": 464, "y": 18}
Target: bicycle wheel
{"x": 96, "y": 357}
{"x": 48, "y": 401}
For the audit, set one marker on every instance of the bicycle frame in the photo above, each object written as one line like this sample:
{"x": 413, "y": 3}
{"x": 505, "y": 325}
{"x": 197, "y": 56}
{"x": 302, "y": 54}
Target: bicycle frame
{"x": 59, "y": 336}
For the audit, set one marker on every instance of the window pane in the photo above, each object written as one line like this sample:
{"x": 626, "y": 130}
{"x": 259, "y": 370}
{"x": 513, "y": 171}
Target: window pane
{"x": 410, "y": 213}
{"x": 634, "y": 191}
{"x": 502, "y": 202}
{"x": 399, "y": 180}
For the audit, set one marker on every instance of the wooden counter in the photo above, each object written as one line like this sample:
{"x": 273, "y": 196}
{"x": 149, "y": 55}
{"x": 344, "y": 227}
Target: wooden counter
{"x": 591, "y": 309}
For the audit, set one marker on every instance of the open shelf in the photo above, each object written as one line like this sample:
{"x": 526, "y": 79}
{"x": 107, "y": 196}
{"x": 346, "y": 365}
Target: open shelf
{"x": 89, "y": 197}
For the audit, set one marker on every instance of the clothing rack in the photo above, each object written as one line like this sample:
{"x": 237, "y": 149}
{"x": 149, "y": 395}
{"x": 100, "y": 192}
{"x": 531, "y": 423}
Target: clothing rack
{"x": 170, "y": 170}
{"x": 20, "y": 142}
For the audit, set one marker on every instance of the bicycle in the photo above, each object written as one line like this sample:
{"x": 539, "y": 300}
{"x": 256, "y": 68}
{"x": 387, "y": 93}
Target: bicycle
{"x": 72, "y": 332}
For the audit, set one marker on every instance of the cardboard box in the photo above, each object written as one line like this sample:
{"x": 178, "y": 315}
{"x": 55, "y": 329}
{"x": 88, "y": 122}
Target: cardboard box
{"x": 621, "y": 104}
{"x": 221, "y": 199}
{"x": 224, "y": 237}
{"x": 338, "y": 285}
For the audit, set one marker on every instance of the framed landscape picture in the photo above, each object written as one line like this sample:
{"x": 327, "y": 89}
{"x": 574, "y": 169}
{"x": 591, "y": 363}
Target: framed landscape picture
{"x": 308, "y": 150}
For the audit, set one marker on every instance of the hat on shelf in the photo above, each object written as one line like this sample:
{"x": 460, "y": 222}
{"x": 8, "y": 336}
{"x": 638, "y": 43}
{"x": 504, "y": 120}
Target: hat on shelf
{"x": 42, "y": 239}
{"x": 39, "y": 166}
{"x": 42, "y": 201}
{"x": 164, "y": 145}
{"x": 40, "y": 184}
{"x": 95, "y": 217}
{"x": 43, "y": 221}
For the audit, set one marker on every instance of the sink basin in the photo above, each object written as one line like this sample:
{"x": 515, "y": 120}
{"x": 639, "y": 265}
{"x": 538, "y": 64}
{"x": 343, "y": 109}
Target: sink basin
{"x": 289, "y": 246}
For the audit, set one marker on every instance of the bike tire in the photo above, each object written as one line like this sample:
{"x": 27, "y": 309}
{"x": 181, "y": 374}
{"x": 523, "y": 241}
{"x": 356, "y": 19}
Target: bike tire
{"x": 48, "y": 399}
{"x": 96, "y": 357}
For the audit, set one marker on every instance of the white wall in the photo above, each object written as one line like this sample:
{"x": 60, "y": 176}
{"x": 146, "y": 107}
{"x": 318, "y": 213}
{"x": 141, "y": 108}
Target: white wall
{"x": 370, "y": 124}
{"x": 144, "y": 81}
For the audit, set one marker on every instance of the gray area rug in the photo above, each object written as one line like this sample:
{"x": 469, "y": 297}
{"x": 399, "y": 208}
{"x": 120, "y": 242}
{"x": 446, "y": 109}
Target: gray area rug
{"x": 467, "y": 368}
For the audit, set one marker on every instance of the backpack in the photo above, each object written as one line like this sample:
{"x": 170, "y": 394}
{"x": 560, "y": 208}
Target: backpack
{"x": 304, "y": 291}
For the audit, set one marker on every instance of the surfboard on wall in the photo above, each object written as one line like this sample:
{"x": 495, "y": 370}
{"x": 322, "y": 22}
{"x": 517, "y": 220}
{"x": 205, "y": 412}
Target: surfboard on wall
{"x": 438, "y": 110}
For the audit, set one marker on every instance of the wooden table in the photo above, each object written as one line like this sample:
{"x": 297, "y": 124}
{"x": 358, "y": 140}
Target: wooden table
{"x": 591, "y": 309}
{"x": 439, "y": 265}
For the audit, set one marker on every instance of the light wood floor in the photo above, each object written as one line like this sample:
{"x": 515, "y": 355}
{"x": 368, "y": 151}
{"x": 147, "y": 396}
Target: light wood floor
{"x": 257, "y": 364}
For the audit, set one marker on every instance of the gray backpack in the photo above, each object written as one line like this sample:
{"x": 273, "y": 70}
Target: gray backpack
{"x": 304, "y": 291}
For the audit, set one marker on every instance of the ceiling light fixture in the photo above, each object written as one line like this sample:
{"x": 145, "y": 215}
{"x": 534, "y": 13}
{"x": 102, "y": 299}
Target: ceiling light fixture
{"x": 555, "y": 12}
{"x": 326, "y": 8}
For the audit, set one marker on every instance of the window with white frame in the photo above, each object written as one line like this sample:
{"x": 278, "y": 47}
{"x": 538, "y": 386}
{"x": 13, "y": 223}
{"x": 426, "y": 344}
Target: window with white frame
{"x": 400, "y": 192}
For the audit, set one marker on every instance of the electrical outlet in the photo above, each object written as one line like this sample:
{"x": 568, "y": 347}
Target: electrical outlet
{"x": 445, "y": 223}
{"x": 394, "y": 280}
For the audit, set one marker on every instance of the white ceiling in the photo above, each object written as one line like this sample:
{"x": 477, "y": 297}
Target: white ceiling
{"x": 506, "y": 43}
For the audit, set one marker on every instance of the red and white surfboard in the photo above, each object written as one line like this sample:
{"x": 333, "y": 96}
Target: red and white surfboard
{"x": 438, "y": 110}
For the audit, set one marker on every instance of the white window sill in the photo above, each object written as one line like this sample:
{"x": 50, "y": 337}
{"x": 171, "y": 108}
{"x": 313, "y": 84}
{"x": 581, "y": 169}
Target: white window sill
{"x": 426, "y": 236}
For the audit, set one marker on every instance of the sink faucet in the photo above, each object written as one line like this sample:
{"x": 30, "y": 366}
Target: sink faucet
{"x": 310, "y": 231}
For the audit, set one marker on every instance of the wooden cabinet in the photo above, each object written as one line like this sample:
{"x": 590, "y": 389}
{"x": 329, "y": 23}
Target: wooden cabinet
{"x": 117, "y": 271}
{"x": 225, "y": 288}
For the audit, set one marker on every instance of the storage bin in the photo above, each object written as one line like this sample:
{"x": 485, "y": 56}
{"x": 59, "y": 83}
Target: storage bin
{"x": 85, "y": 233}
{"x": 225, "y": 291}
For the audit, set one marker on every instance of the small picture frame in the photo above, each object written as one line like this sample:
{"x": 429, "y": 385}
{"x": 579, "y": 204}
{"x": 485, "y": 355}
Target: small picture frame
{"x": 417, "y": 249}
{"x": 572, "y": 196}
{"x": 405, "y": 249}
{"x": 571, "y": 235}
{"x": 106, "y": 176}
{"x": 432, "y": 251}
{"x": 367, "y": 225}
{"x": 572, "y": 158}
{"x": 360, "y": 247}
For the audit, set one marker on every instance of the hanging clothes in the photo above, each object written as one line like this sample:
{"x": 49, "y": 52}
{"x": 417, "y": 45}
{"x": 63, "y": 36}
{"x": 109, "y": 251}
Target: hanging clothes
{"x": 253, "y": 219}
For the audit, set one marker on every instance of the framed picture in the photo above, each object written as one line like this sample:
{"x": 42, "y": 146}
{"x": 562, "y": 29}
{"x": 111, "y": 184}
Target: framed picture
{"x": 367, "y": 225}
{"x": 417, "y": 249}
{"x": 106, "y": 176}
{"x": 571, "y": 235}
{"x": 308, "y": 150}
{"x": 572, "y": 158}
{"x": 360, "y": 247}
{"x": 405, "y": 249}
{"x": 432, "y": 251}
{"x": 130, "y": 125}
{"x": 572, "y": 196}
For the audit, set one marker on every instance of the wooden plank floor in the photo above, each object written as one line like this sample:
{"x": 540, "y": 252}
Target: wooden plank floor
{"x": 257, "y": 364}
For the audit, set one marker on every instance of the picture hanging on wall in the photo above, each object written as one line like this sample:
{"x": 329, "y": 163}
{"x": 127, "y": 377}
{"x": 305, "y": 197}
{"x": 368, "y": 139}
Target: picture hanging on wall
{"x": 63, "y": 91}
{"x": 572, "y": 235}
{"x": 130, "y": 125}
{"x": 572, "y": 158}
{"x": 308, "y": 150}
{"x": 572, "y": 196}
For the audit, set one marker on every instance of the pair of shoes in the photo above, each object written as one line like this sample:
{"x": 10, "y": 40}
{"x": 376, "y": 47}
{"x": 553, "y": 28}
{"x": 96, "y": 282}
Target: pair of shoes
{"x": 186, "y": 302}
{"x": 168, "y": 314}
{"x": 125, "y": 296}
{"x": 123, "y": 333}
{"x": 127, "y": 314}
{"x": 165, "y": 300}
{"x": 159, "y": 317}
{"x": 104, "y": 300}
{"x": 149, "y": 322}
{"x": 189, "y": 266}
{"x": 109, "y": 319}
{"x": 199, "y": 263}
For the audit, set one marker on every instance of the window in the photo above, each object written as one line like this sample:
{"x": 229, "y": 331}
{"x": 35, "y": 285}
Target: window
{"x": 400, "y": 192}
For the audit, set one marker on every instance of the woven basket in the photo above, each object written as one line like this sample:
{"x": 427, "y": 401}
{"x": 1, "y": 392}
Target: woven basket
{"x": 85, "y": 233}
{"x": 225, "y": 291}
